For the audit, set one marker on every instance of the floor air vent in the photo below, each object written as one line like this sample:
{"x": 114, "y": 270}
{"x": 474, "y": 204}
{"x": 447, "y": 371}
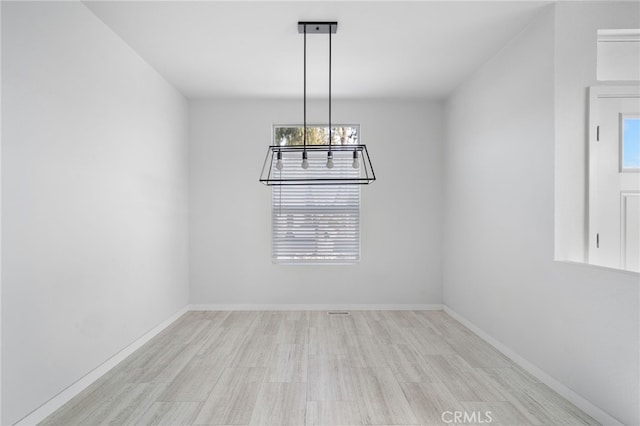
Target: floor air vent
{"x": 338, "y": 313}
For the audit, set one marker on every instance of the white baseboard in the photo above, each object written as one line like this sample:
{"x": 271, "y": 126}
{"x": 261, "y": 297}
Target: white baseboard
{"x": 561, "y": 389}
{"x": 315, "y": 307}
{"x": 42, "y": 412}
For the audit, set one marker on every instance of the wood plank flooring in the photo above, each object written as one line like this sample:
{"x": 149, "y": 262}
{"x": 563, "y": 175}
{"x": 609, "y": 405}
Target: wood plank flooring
{"x": 307, "y": 368}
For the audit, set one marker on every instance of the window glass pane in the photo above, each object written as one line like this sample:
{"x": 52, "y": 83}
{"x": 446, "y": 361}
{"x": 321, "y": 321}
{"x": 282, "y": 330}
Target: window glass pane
{"x": 631, "y": 143}
{"x": 294, "y": 135}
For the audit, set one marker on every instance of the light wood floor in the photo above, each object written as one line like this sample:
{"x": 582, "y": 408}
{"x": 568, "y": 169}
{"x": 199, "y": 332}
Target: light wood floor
{"x": 305, "y": 368}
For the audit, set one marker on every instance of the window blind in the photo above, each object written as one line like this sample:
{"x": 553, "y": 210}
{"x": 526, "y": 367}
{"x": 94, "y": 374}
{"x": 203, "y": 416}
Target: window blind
{"x": 316, "y": 223}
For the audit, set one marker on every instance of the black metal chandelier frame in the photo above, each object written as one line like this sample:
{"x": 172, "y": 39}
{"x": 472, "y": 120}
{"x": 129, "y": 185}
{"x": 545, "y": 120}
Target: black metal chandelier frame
{"x": 273, "y": 159}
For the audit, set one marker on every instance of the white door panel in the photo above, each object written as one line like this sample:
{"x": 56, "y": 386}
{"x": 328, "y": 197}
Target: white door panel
{"x": 614, "y": 186}
{"x": 630, "y": 206}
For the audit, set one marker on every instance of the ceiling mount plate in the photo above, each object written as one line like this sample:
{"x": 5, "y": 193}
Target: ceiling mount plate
{"x": 318, "y": 27}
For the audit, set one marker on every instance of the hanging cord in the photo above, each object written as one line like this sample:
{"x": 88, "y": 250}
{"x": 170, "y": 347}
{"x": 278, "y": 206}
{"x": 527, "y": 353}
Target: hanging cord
{"x": 305, "y": 91}
{"x": 330, "y": 128}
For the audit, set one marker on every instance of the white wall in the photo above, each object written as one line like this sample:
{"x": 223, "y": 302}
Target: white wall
{"x": 577, "y": 323}
{"x": 94, "y": 196}
{"x": 230, "y": 212}
{"x": 576, "y": 27}
{"x": 0, "y": 215}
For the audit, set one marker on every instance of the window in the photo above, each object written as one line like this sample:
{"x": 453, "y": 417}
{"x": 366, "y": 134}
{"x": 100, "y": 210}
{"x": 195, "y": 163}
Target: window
{"x": 316, "y": 223}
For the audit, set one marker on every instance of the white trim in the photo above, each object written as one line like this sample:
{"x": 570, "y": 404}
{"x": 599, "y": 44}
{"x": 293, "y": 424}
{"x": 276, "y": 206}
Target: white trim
{"x": 618, "y": 35}
{"x": 46, "y": 409}
{"x": 315, "y": 307}
{"x": 545, "y": 378}
{"x": 604, "y": 268}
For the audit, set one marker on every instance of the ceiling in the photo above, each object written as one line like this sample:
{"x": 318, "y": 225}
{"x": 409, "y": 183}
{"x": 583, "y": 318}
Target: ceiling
{"x": 383, "y": 49}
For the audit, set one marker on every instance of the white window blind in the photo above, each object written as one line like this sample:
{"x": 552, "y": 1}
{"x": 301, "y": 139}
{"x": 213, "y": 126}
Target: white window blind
{"x": 316, "y": 223}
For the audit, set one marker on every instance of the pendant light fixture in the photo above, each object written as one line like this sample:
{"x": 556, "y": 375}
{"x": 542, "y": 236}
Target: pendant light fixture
{"x": 317, "y": 164}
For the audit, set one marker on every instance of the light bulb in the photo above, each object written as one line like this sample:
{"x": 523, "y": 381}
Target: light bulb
{"x": 330, "y": 160}
{"x": 305, "y": 162}
{"x": 279, "y": 161}
{"x": 356, "y": 163}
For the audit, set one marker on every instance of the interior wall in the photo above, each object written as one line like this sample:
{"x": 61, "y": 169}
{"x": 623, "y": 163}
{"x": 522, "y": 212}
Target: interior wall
{"x": 576, "y": 26}
{"x": 230, "y": 211}
{"x": 0, "y": 215}
{"x": 579, "y": 324}
{"x": 94, "y": 197}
